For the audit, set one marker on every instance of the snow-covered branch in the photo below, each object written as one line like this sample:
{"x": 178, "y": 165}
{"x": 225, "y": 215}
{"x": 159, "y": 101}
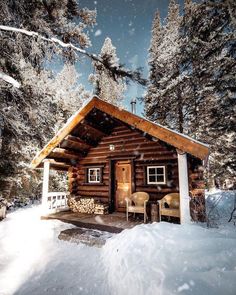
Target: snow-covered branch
{"x": 9, "y": 79}
{"x": 115, "y": 70}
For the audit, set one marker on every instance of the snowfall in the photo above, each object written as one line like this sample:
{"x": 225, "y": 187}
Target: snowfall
{"x": 157, "y": 258}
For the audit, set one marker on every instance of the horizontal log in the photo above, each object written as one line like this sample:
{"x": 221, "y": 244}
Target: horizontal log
{"x": 142, "y": 156}
{"x": 64, "y": 154}
{"x": 93, "y": 188}
{"x": 141, "y": 163}
{"x": 93, "y": 129}
{"x": 159, "y": 158}
{"x": 60, "y": 166}
{"x": 81, "y": 182}
{"x": 120, "y": 128}
{"x": 76, "y": 139}
{"x": 73, "y": 145}
{"x": 118, "y": 138}
{"x": 126, "y": 128}
{"x": 92, "y": 194}
{"x": 100, "y": 198}
{"x": 92, "y": 161}
{"x": 139, "y": 176}
{"x": 126, "y": 149}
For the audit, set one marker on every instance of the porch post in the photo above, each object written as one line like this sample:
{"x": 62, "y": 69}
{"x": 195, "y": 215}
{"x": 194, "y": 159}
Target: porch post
{"x": 183, "y": 188}
{"x": 46, "y": 168}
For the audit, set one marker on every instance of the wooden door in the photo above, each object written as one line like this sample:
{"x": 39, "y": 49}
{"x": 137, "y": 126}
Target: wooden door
{"x": 122, "y": 184}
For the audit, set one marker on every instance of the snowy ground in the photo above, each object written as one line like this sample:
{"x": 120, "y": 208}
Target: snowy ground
{"x": 158, "y": 258}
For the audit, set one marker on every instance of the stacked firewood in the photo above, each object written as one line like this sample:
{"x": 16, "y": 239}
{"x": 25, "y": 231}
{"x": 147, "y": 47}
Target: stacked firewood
{"x": 101, "y": 208}
{"x": 82, "y": 205}
{"x": 87, "y": 205}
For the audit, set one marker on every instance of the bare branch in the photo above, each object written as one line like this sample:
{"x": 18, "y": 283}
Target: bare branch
{"x": 118, "y": 71}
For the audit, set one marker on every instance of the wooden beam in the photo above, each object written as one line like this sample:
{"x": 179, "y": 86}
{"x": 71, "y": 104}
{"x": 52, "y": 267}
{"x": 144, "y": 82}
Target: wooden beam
{"x": 58, "y": 165}
{"x": 64, "y": 154}
{"x": 84, "y": 145}
{"x": 93, "y": 129}
{"x": 76, "y": 146}
{"x": 62, "y": 133}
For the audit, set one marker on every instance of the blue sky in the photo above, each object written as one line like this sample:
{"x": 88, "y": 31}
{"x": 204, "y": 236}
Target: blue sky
{"x": 128, "y": 23}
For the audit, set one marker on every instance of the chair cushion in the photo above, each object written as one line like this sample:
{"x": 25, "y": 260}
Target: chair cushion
{"x": 136, "y": 209}
{"x": 170, "y": 212}
{"x": 174, "y": 204}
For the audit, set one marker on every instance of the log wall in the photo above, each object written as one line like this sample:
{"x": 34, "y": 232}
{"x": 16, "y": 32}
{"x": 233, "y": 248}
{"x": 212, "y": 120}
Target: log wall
{"x": 128, "y": 143}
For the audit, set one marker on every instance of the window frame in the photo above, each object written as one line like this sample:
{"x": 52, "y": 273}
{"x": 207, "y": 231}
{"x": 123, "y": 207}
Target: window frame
{"x": 163, "y": 174}
{"x": 96, "y": 175}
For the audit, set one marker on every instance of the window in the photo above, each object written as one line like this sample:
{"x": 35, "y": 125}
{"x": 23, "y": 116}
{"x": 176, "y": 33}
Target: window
{"x": 94, "y": 175}
{"x": 156, "y": 175}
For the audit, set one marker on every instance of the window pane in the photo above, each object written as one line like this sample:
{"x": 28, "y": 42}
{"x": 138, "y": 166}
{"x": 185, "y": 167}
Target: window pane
{"x": 160, "y": 178}
{"x": 152, "y": 178}
{"x": 152, "y": 171}
{"x": 159, "y": 170}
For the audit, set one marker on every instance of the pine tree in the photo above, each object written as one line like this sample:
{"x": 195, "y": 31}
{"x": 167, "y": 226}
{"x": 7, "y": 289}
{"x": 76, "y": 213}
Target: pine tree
{"x": 108, "y": 86}
{"x": 28, "y": 114}
{"x": 160, "y": 101}
{"x": 196, "y": 94}
{"x": 155, "y": 67}
{"x": 211, "y": 34}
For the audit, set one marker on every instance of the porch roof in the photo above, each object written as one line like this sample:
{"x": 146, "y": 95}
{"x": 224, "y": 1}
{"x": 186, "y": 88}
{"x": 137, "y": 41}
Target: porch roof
{"x": 96, "y": 119}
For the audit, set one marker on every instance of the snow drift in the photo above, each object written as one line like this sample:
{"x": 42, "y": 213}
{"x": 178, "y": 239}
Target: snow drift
{"x": 162, "y": 258}
{"x": 151, "y": 259}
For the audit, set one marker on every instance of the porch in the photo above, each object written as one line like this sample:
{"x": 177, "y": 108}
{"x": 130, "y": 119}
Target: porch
{"x": 113, "y": 223}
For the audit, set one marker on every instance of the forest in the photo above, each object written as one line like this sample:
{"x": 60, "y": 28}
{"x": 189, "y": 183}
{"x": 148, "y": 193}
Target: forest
{"x": 191, "y": 86}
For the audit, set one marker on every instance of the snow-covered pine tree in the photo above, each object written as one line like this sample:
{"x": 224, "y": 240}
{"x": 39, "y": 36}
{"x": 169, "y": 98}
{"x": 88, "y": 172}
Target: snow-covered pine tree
{"x": 108, "y": 86}
{"x": 210, "y": 54}
{"x": 197, "y": 93}
{"x": 160, "y": 102}
{"x": 155, "y": 68}
{"x": 28, "y": 114}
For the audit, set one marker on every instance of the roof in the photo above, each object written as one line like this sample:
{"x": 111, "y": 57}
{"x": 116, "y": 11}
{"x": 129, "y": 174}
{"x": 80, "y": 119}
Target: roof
{"x": 115, "y": 114}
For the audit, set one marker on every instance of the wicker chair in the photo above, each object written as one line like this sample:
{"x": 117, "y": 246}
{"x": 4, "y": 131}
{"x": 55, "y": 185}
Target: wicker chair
{"x": 169, "y": 205}
{"x": 137, "y": 203}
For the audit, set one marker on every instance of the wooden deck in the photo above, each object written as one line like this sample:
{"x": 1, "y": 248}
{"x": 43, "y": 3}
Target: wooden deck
{"x": 113, "y": 223}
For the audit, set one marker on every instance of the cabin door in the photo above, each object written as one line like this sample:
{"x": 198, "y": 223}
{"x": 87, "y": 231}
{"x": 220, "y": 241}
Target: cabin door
{"x": 122, "y": 184}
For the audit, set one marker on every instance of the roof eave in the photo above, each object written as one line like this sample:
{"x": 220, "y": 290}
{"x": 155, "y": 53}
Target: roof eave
{"x": 171, "y": 137}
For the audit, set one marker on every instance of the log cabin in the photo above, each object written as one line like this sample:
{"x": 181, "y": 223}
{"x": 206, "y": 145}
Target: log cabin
{"x": 110, "y": 153}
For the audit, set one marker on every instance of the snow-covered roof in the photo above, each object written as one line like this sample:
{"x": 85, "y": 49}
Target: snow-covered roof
{"x": 176, "y": 139}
